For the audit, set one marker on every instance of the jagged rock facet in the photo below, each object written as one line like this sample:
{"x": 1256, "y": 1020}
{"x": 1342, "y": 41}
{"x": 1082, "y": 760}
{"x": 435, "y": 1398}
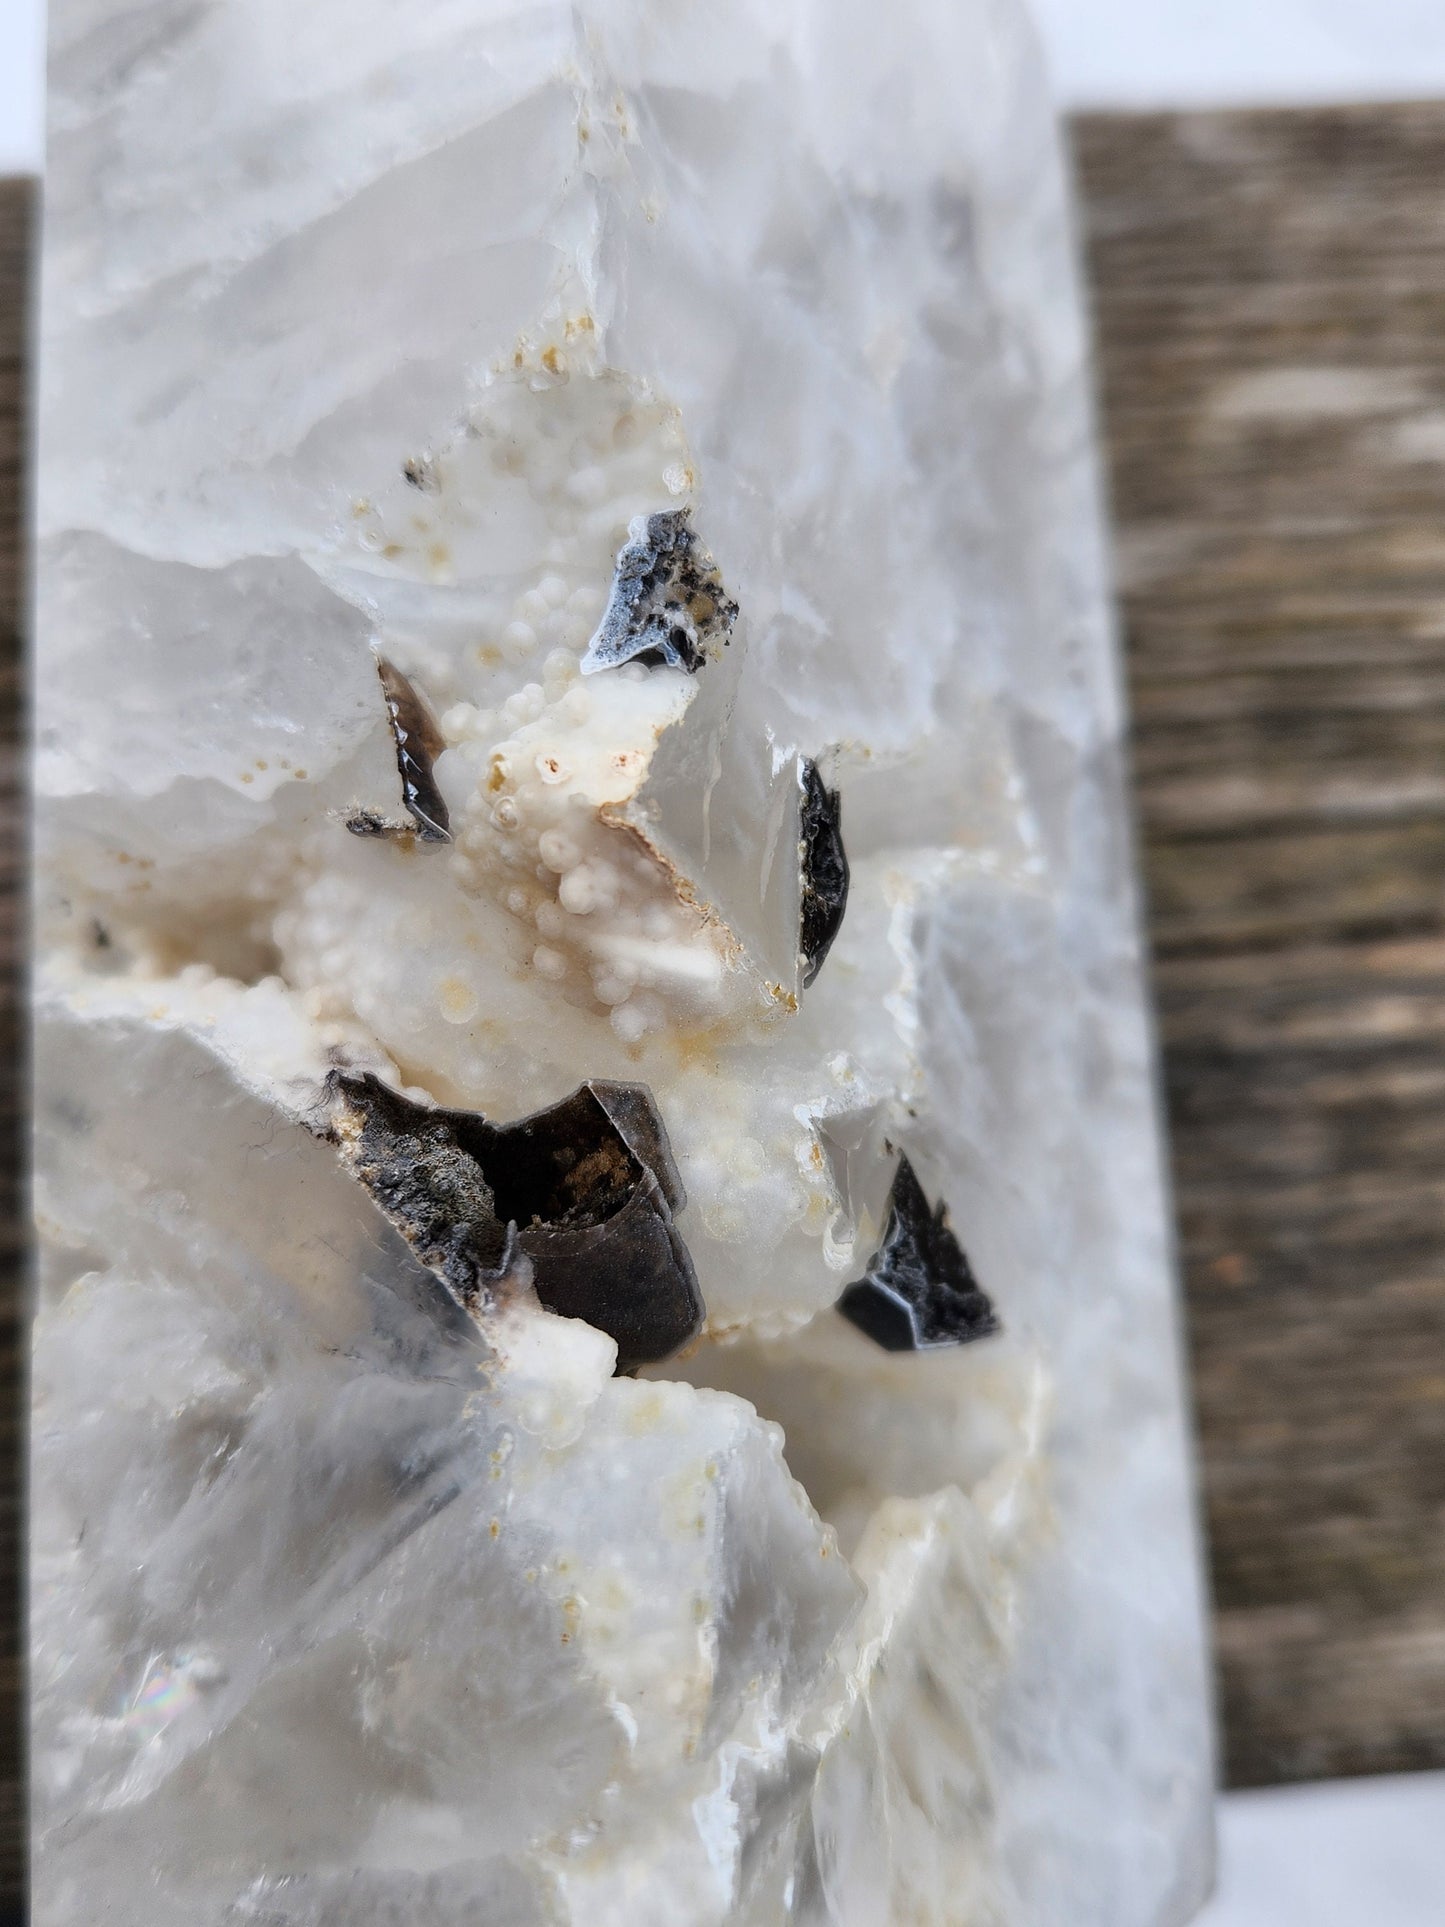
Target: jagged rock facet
{"x": 678, "y": 403}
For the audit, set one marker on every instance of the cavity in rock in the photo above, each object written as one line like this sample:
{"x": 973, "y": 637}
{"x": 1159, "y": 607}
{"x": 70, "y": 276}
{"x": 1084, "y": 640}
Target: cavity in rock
{"x": 824, "y": 870}
{"x": 419, "y": 742}
{"x": 920, "y": 1292}
{"x": 585, "y": 1190}
{"x": 667, "y": 605}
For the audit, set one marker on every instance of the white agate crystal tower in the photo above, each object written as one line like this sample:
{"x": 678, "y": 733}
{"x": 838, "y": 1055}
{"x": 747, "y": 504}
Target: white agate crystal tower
{"x": 581, "y": 831}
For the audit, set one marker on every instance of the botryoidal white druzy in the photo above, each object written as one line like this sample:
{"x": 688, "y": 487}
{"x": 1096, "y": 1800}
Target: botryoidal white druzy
{"x": 683, "y": 407}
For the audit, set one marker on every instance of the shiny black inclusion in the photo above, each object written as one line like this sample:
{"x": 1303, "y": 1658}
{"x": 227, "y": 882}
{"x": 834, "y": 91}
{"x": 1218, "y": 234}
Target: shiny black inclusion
{"x": 825, "y": 870}
{"x": 920, "y": 1292}
{"x": 418, "y": 742}
{"x": 666, "y": 601}
{"x": 585, "y": 1190}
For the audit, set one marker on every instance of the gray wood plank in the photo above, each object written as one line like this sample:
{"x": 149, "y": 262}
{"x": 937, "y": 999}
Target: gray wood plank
{"x": 1269, "y": 294}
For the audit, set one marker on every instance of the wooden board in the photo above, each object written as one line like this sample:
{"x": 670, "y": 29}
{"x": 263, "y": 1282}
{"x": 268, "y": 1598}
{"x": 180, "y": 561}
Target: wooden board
{"x": 1270, "y": 310}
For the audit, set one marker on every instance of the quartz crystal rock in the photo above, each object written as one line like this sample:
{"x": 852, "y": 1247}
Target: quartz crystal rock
{"x": 579, "y": 767}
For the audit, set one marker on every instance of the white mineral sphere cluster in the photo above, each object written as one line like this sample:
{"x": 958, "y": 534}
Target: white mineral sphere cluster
{"x": 553, "y": 933}
{"x": 610, "y": 925}
{"x": 599, "y": 914}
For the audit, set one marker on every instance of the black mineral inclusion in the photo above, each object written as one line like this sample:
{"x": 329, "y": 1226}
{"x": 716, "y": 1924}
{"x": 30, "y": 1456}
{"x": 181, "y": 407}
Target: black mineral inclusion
{"x": 920, "y": 1292}
{"x": 586, "y": 1189}
{"x": 825, "y": 870}
{"x": 665, "y": 594}
{"x": 418, "y": 743}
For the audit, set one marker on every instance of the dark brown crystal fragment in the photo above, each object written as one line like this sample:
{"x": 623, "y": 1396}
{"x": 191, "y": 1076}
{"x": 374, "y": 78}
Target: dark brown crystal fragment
{"x": 920, "y": 1292}
{"x": 586, "y": 1190}
{"x": 418, "y": 743}
{"x": 825, "y": 870}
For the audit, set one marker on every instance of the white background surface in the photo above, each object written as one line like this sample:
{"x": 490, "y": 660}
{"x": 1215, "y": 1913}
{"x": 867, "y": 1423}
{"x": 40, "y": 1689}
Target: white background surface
{"x": 21, "y": 84}
{"x": 1109, "y": 53}
{"x": 1353, "y": 1854}
{"x": 1181, "y": 53}
{"x": 1347, "y": 1853}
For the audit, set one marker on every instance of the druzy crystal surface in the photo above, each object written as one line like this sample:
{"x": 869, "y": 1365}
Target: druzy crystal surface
{"x": 581, "y": 826}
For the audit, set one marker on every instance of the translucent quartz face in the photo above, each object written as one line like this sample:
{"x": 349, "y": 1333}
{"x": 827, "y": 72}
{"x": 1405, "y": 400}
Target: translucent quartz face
{"x": 581, "y": 826}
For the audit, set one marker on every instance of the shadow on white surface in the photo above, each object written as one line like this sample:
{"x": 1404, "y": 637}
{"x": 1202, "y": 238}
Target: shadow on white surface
{"x": 1344, "y": 1853}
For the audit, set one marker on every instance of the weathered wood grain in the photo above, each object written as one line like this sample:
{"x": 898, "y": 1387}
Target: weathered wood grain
{"x": 16, "y": 202}
{"x": 1270, "y": 310}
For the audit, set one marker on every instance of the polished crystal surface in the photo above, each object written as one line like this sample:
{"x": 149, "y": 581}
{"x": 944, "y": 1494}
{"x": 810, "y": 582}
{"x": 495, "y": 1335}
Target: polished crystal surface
{"x": 686, "y": 410}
